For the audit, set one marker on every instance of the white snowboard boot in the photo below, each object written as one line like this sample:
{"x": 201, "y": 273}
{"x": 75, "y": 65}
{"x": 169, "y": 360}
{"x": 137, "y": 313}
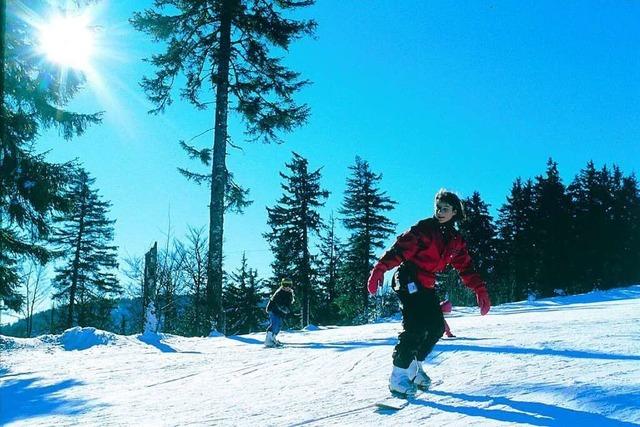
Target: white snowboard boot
{"x": 277, "y": 341}
{"x": 269, "y": 340}
{"x": 400, "y": 383}
{"x": 419, "y": 377}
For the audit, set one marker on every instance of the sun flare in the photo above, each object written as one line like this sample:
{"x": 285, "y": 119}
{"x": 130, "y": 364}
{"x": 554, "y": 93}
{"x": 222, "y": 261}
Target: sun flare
{"x": 68, "y": 41}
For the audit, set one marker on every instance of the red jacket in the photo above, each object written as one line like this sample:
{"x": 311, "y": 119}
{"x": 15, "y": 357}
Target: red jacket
{"x": 431, "y": 246}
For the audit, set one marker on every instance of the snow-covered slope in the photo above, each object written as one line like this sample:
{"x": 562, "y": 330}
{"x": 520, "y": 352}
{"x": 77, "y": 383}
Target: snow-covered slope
{"x": 562, "y": 361}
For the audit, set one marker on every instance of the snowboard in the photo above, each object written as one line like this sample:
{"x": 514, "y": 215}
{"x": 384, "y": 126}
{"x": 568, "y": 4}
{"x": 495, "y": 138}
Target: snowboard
{"x": 396, "y": 402}
{"x": 279, "y": 345}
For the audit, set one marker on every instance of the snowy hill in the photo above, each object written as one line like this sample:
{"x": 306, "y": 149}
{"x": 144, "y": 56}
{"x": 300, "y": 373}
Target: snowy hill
{"x": 561, "y": 361}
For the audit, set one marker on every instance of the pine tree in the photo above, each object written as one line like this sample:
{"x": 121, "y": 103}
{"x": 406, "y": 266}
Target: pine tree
{"x": 591, "y": 202}
{"x": 480, "y": 234}
{"x": 517, "y": 251}
{"x": 606, "y": 213}
{"x": 363, "y": 216}
{"x": 626, "y": 219}
{"x": 35, "y": 93}
{"x": 254, "y": 296}
{"x": 551, "y": 228}
{"x": 329, "y": 265}
{"x": 225, "y": 46}
{"x": 242, "y": 297}
{"x": 86, "y": 278}
{"x": 293, "y": 221}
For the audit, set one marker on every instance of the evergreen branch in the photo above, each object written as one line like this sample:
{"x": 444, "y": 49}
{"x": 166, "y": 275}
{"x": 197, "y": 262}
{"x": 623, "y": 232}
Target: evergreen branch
{"x": 204, "y": 155}
{"x": 195, "y": 177}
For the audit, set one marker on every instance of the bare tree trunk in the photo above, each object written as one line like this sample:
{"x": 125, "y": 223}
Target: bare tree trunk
{"x": 367, "y": 267}
{"x": 74, "y": 279}
{"x": 3, "y": 29}
{"x": 34, "y": 294}
{"x": 52, "y": 326}
{"x": 306, "y": 280}
{"x": 149, "y": 281}
{"x": 219, "y": 169}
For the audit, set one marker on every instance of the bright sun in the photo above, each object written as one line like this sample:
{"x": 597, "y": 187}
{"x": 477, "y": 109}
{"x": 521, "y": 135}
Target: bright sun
{"x": 68, "y": 41}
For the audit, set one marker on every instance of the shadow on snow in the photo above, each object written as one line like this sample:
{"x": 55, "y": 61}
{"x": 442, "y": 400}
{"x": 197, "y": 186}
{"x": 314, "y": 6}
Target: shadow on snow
{"x": 22, "y": 399}
{"x": 521, "y": 412}
{"x": 245, "y": 339}
{"x": 446, "y": 345}
{"x": 576, "y": 354}
{"x": 339, "y": 345}
{"x": 155, "y": 341}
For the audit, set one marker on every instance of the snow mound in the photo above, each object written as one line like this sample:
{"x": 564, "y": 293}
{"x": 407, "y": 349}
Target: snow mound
{"x": 8, "y": 343}
{"x": 310, "y": 327}
{"x": 11, "y": 343}
{"x": 83, "y": 338}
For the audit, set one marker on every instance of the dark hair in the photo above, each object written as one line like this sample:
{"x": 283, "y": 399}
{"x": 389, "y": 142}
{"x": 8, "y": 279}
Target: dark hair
{"x": 452, "y": 199}
{"x": 286, "y": 282}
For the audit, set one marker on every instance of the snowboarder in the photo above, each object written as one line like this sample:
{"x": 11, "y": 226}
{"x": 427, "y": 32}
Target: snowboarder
{"x": 421, "y": 252}
{"x": 279, "y": 307}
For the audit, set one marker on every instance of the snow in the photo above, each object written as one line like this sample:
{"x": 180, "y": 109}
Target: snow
{"x": 83, "y": 338}
{"x": 562, "y": 361}
{"x": 151, "y": 323}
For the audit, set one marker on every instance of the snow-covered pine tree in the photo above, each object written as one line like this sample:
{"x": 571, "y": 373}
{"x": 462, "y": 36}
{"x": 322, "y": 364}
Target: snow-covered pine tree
{"x": 293, "y": 221}
{"x": 226, "y": 46}
{"x": 85, "y": 280}
{"x": 34, "y": 96}
{"x": 363, "y": 215}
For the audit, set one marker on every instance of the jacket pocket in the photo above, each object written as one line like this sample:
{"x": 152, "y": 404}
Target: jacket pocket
{"x": 405, "y": 279}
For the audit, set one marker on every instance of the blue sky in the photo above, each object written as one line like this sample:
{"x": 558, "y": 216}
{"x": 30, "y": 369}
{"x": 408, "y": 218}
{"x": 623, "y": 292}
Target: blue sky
{"x": 466, "y": 95}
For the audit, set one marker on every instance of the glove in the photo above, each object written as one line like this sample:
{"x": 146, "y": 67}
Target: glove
{"x": 375, "y": 279}
{"x": 483, "y": 300}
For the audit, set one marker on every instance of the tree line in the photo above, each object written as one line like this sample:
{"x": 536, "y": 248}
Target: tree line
{"x": 547, "y": 237}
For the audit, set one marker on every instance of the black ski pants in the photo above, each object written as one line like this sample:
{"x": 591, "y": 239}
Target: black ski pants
{"x": 422, "y": 323}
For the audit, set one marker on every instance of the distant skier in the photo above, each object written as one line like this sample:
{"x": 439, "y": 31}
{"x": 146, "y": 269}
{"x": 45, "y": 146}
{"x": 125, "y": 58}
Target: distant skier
{"x": 421, "y": 252}
{"x": 446, "y": 307}
{"x": 279, "y": 307}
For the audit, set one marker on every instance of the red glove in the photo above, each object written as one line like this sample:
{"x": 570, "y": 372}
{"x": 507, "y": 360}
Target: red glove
{"x": 483, "y": 300}
{"x": 375, "y": 279}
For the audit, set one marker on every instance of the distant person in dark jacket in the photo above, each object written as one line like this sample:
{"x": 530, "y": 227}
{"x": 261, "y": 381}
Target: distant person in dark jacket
{"x": 421, "y": 252}
{"x": 278, "y": 308}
